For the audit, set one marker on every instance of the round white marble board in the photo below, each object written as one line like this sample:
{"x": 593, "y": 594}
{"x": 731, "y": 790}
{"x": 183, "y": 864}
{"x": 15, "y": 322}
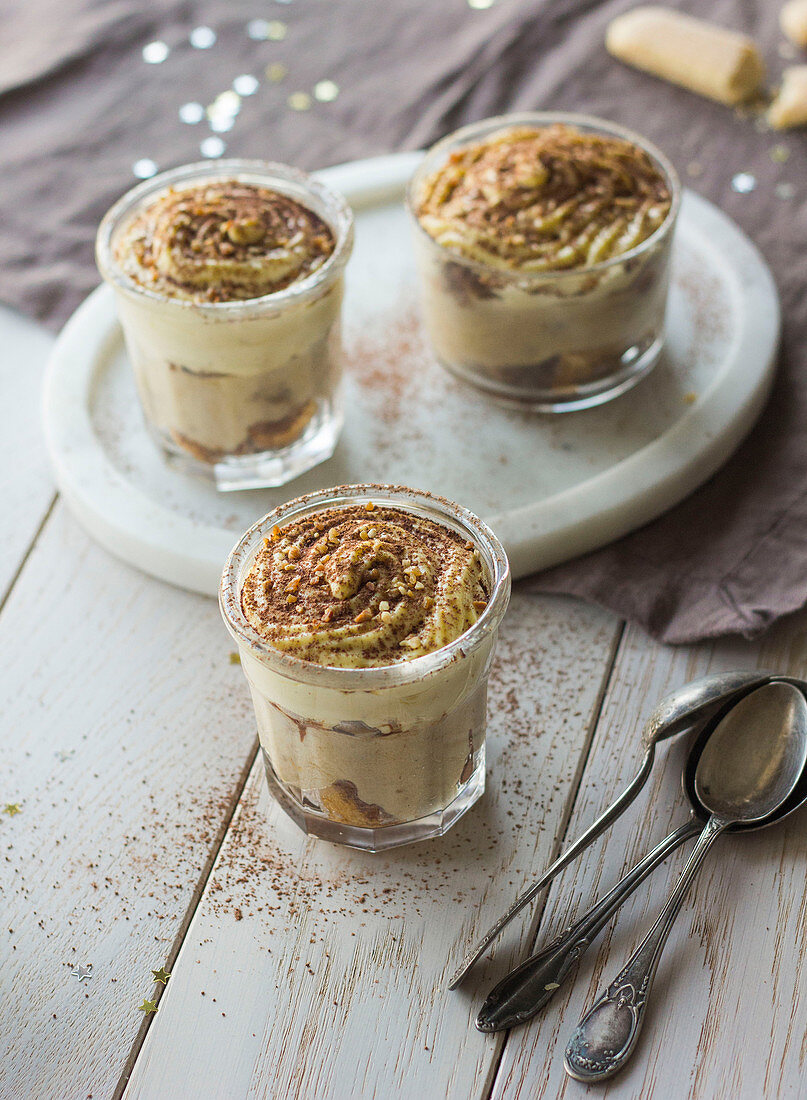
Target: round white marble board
{"x": 552, "y": 487}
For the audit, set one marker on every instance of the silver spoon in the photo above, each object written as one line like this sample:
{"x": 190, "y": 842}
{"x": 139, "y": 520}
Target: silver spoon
{"x": 749, "y": 767}
{"x": 529, "y": 987}
{"x": 678, "y": 712}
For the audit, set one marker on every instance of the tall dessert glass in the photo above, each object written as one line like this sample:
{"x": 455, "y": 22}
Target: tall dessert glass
{"x": 242, "y": 391}
{"x": 372, "y": 757}
{"x": 551, "y": 340}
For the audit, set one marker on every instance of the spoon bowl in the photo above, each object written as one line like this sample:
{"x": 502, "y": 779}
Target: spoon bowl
{"x": 528, "y": 988}
{"x": 750, "y": 766}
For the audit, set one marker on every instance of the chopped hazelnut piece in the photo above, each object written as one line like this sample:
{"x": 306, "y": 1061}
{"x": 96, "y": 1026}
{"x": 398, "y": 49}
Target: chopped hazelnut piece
{"x": 383, "y": 606}
{"x": 294, "y": 552}
{"x": 363, "y": 616}
{"x": 480, "y": 605}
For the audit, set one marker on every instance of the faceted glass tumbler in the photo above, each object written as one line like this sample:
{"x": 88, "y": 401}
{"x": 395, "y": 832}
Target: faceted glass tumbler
{"x": 372, "y": 757}
{"x": 551, "y": 341}
{"x": 244, "y": 393}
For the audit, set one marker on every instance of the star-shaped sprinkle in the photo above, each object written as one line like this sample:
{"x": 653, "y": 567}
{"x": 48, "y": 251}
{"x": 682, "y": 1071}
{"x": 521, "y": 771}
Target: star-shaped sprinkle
{"x": 83, "y": 973}
{"x": 12, "y": 808}
{"x": 147, "y": 1007}
{"x": 235, "y": 659}
{"x": 161, "y": 975}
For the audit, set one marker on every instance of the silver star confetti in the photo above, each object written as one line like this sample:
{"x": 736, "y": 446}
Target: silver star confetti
{"x": 83, "y": 973}
{"x": 299, "y": 101}
{"x": 202, "y": 38}
{"x": 743, "y": 183}
{"x": 144, "y": 169}
{"x": 155, "y": 53}
{"x": 785, "y": 190}
{"x": 326, "y": 91}
{"x": 246, "y": 84}
{"x": 212, "y": 147}
{"x": 257, "y": 29}
{"x": 191, "y": 113}
{"x": 226, "y": 103}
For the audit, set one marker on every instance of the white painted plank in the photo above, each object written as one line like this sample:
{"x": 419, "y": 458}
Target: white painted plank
{"x": 314, "y": 971}
{"x": 132, "y": 680}
{"x": 728, "y": 1013}
{"x": 26, "y": 484}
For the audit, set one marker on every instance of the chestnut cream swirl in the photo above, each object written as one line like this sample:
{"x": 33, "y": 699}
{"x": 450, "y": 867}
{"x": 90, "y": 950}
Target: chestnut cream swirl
{"x": 356, "y": 588}
{"x": 544, "y": 199}
{"x": 222, "y": 241}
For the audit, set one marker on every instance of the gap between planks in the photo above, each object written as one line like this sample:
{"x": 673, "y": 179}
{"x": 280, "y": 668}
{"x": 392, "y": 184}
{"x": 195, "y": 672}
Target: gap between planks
{"x": 15, "y": 576}
{"x": 182, "y": 931}
{"x": 535, "y": 927}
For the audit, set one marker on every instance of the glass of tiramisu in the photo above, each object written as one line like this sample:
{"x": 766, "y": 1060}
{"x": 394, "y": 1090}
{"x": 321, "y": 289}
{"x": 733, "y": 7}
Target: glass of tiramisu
{"x": 366, "y": 618}
{"x": 543, "y": 248}
{"x": 229, "y": 281}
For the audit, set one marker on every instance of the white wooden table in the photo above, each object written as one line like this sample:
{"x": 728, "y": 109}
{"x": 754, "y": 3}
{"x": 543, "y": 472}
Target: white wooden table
{"x": 146, "y": 839}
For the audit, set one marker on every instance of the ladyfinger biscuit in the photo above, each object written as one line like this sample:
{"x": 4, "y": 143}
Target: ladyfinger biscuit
{"x": 712, "y": 61}
{"x": 793, "y": 21}
{"x": 790, "y": 106}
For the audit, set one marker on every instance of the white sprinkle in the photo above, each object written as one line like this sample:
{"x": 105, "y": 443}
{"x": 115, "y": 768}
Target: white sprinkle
{"x": 144, "y": 169}
{"x": 246, "y": 84}
{"x": 191, "y": 113}
{"x": 155, "y": 53}
{"x": 202, "y": 38}
{"x": 212, "y": 147}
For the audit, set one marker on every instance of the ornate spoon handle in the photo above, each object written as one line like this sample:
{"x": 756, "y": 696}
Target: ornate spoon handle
{"x": 617, "y": 807}
{"x": 604, "y": 1040}
{"x": 525, "y": 990}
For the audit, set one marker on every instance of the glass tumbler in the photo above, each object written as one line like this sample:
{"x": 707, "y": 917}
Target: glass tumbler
{"x": 554, "y": 340}
{"x": 242, "y": 392}
{"x": 381, "y": 756}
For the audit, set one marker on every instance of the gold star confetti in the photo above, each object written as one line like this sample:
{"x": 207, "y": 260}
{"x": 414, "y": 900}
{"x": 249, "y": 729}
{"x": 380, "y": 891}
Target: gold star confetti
{"x": 690, "y": 398}
{"x": 147, "y": 1007}
{"x": 12, "y": 808}
{"x": 326, "y": 91}
{"x": 235, "y": 659}
{"x": 779, "y": 154}
{"x": 275, "y": 30}
{"x": 276, "y": 72}
{"x": 161, "y": 975}
{"x": 83, "y": 973}
{"x": 299, "y": 101}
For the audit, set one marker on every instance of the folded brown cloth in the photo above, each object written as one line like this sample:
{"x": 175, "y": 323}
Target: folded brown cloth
{"x": 79, "y": 107}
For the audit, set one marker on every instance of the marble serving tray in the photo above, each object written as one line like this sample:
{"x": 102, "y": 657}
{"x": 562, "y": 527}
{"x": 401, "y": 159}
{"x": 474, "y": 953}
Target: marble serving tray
{"x": 551, "y": 486}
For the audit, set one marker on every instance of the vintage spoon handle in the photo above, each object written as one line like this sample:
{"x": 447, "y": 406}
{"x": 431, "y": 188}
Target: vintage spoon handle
{"x": 617, "y": 807}
{"x": 525, "y": 990}
{"x": 603, "y": 1041}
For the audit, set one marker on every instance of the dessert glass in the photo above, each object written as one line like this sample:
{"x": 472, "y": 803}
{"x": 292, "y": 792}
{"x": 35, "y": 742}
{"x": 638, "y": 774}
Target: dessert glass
{"x": 554, "y": 340}
{"x": 382, "y": 756}
{"x": 243, "y": 392}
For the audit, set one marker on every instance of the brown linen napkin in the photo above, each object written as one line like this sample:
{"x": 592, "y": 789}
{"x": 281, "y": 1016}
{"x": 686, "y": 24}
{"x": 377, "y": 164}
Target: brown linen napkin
{"x": 79, "y": 107}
